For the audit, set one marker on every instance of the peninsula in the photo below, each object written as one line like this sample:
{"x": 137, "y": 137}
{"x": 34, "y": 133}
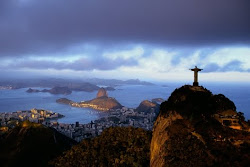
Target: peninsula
{"x": 102, "y": 102}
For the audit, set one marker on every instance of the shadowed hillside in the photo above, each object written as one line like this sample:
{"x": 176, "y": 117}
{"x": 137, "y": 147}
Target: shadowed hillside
{"x": 31, "y": 144}
{"x": 114, "y": 147}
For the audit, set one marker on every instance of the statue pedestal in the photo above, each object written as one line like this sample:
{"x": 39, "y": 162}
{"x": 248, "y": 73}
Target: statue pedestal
{"x": 195, "y": 83}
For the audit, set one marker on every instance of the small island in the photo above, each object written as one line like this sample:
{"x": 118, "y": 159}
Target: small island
{"x": 102, "y": 102}
{"x": 55, "y": 90}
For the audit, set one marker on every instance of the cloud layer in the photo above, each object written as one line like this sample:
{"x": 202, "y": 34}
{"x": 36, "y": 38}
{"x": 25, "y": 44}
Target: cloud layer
{"x": 132, "y": 38}
{"x": 45, "y": 26}
{"x": 144, "y": 58}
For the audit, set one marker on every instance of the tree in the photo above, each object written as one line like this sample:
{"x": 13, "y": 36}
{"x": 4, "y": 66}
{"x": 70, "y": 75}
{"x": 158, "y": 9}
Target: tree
{"x": 241, "y": 116}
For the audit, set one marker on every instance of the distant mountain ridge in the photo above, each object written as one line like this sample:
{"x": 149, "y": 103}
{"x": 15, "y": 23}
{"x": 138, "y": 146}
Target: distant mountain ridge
{"x": 54, "y": 90}
{"x": 115, "y": 82}
{"x": 88, "y": 85}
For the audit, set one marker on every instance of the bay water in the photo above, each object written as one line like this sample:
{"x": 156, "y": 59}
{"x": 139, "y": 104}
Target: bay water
{"x": 128, "y": 95}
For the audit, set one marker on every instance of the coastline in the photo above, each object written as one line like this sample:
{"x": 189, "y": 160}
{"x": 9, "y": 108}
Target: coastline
{"x": 128, "y": 95}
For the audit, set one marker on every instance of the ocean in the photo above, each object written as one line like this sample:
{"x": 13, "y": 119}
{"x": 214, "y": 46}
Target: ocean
{"x": 128, "y": 95}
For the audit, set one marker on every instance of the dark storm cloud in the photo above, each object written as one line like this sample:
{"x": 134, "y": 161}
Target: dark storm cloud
{"x": 82, "y": 64}
{"x": 234, "y": 65}
{"x": 45, "y": 26}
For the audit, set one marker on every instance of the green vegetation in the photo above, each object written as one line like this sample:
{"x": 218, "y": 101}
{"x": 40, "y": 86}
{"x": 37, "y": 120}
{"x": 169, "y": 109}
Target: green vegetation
{"x": 114, "y": 147}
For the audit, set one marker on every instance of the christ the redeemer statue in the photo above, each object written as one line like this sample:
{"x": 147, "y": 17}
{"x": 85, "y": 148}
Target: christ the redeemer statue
{"x": 196, "y": 70}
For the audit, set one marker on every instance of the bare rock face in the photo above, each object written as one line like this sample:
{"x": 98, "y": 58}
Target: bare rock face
{"x": 102, "y": 93}
{"x": 187, "y": 133}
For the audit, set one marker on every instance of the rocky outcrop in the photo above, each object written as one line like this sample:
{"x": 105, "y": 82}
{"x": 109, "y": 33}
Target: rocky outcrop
{"x": 102, "y": 93}
{"x": 102, "y": 102}
{"x": 186, "y": 132}
{"x": 147, "y": 106}
{"x": 160, "y": 138}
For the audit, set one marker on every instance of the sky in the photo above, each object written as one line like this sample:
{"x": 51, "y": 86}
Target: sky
{"x": 151, "y": 40}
